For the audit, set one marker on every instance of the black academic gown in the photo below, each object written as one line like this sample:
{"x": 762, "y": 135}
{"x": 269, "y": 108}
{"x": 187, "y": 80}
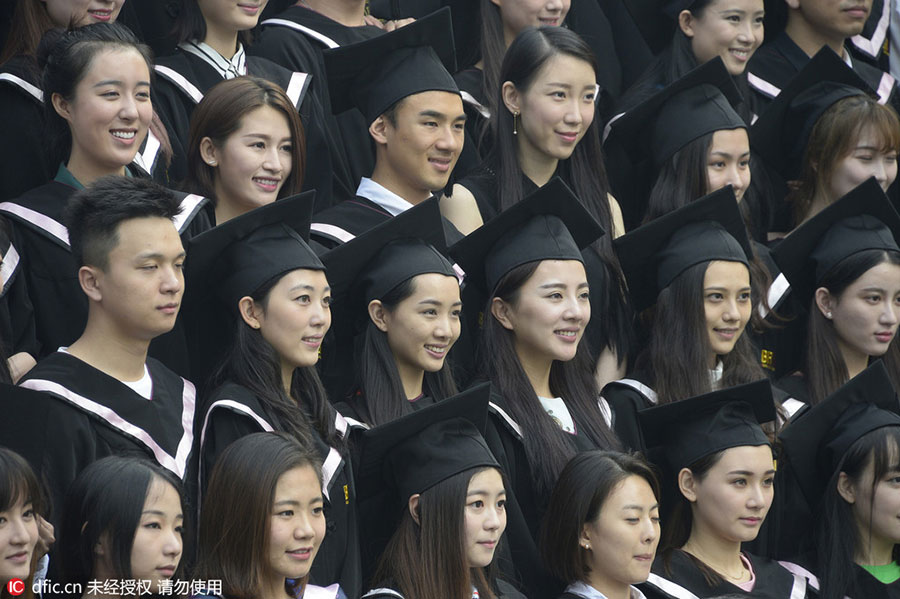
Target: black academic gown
{"x": 626, "y": 397}
{"x": 295, "y": 39}
{"x": 684, "y": 580}
{"x": 182, "y": 81}
{"x": 51, "y": 275}
{"x": 865, "y": 585}
{"x": 89, "y": 415}
{"x": 477, "y": 142}
{"x": 232, "y": 412}
{"x": 16, "y": 334}
{"x": 870, "y": 45}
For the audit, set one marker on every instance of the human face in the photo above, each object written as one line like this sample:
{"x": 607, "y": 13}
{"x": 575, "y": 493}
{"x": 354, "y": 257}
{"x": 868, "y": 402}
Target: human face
{"x": 726, "y": 304}
{"x": 728, "y": 161}
{"x": 139, "y": 292}
{"x": 555, "y": 111}
{"x": 82, "y": 12}
{"x": 876, "y": 510}
{"x": 516, "y": 15}
{"x": 732, "y": 500}
{"x": 231, "y": 15}
{"x": 157, "y": 545}
{"x": 732, "y": 29}
{"x": 866, "y": 159}
{"x": 18, "y": 537}
{"x": 551, "y": 312}
{"x": 485, "y": 516}
{"x": 297, "y": 524}
{"x": 866, "y": 314}
{"x": 109, "y": 113}
{"x": 296, "y": 317}
{"x": 832, "y": 19}
{"x": 422, "y": 328}
{"x": 417, "y": 152}
{"x": 253, "y": 162}
{"x": 622, "y": 539}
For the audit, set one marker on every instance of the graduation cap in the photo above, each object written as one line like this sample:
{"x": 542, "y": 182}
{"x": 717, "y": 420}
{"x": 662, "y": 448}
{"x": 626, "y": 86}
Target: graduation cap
{"x": 236, "y": 258}
{"x": 417, "y": 451}
{"x": 861, "y": 220}
{"x": 652, "y": 256}
{"x": 372, "y": 264}
{"x": 701, "y": 102}
{"x": 816, "y": 442}
{"x": 549, "y": 224}
{"x": 375, "y": 74}
{"x": 686, "y": 431}
{"x": 781, "y": 133}
{"x": 657, "y": 19}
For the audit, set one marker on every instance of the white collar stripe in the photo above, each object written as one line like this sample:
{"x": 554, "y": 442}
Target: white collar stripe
{"x": 33, "y": 90}
{"x": 329, "y": 43}
{"x": 42, "y": 221}
{"x": 181, "y": 82}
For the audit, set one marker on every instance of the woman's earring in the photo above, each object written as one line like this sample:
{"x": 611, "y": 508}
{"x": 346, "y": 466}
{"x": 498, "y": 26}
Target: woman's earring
{"x": 828, "y": 315}
{"x": 211, "y": 162}
{"x": 516, "y": 123}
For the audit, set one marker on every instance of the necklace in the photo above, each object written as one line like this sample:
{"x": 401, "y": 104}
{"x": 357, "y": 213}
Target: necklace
{"x": 742, "y": 576}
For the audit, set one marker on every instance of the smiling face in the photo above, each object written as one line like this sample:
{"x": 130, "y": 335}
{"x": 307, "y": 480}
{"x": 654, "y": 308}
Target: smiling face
{"x": 726, "y": 304}
{"x": 297, "y": 525}
{"x": 516, "y": 15}
{"x": 109, "y": 113}
{"x": 555, "y": 111}
{"x": 157, "y": 545}
{"x": 834, "y": 19}
{"x": 253, "y": 162}
{"x": 18, "y": 537}
{"x": 485, "y": 517}
{"x": 867, "y": 158}
{"x": 732, "y": 500}
{"x": 82, "y": 12}
{"x": 728, "y": 162}
{"x": 231, "y": 15}
{"x": 622, "y": 539}
{"x": 732, "y": 29}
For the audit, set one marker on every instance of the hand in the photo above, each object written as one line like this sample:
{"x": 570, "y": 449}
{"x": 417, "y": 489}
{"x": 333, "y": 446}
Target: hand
{"x": 45, "y": 537}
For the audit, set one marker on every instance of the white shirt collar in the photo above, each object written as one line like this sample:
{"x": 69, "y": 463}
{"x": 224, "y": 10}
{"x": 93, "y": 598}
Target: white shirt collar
{"x": 228, "y": 69}
{"x": 588, "y": 592}
{"x": 715, "y": 375}
{"x": 382, "y": 196}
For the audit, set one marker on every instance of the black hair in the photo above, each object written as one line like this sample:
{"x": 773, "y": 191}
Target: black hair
{"x": 18, "y": 483}
{"x": 106, "y": 501}
{"x": 94, "y": 213}
{"x": 547, "y": 447}
{"x": 379, "y": 380}
{"x": 190, "y": 24}
{"x": 681, "y": 180}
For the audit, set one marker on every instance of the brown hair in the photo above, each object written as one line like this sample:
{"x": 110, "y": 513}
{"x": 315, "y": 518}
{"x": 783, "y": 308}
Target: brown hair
{"x": 219, "y": 115}
{"x": 18, "y": 482}
{"x": 833, "y": 137}
{"x": 583, "y": 487}
{"x": 234, "y": 522}
{"x": 30, "y": 21}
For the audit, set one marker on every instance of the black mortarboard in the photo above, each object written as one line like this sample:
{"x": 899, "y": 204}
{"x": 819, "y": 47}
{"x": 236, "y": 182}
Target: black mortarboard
{"x": 375, "y": 74}
{"x": 816, "y": 442}
{"x": 861, "y": 220}
{"x": 688, "y": 430}
{"x": 781, "y": 133}
{"x": 419, "y": 450}
{"x": 236, "y": 258}
{"x": 652, "y": 256}
{"x": 657, "y": 19}
{"x": 701, "y": 102}
{"x": 549, "y": 224}
{"x": 369, "y": 266}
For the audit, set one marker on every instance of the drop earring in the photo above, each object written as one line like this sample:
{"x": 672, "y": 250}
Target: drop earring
{"x": 516, "y": 123}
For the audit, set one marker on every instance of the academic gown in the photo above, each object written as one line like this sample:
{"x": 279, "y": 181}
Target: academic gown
{"x": 51, "y": 275}
{"x": 685, "y": 580}
{"x": 869, "y": 45}
{"x": 502, "y": 589}
{"x": 89, "y": 415}
{"x": 16, "y": 334}
{"x": 295, "y": 39}
{"x": 865, "y": 585}
{"x": 626, "y": 397}
{"x": 182, "y": 81}
{"x": 477, "y": 142}
{"x": 232, "y": 412}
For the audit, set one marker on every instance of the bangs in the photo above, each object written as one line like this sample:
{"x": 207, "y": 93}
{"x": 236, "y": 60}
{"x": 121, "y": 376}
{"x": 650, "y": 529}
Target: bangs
{"x": 884, "y": 125}
{"x": 18, "y": 482}
{"x": 885, "y": 451}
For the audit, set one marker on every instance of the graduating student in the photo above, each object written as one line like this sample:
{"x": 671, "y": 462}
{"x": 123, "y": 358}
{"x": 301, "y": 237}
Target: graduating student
{"x": 825, "y": 134}
{"x": 602, "y": 525}
{"x": 398, "y": 303}
{"x": 844, "y": 267}
{"x": 718, "y": 486}
{"x": 846, "y": 453}
{"x": 97, "y": 83}
{"x": 528, "y": 262}
{"x": 124, "y": 519}
{"x": 447, "y": 512}
{"x": 247, "y": 147}
{"x": 211, "y": 38}
{"x": 103, "y": 395}
{"x": 18, "y": 344}
{"x": 264, "y": 302}
{"x": 401, "y": 83}
{"x": 22, "y": 503}
{"x": 263, "y": 521}
{"x": 26, "y": 164}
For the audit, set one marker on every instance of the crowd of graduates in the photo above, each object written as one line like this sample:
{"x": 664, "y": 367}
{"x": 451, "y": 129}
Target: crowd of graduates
{"x": 457, "y": 299}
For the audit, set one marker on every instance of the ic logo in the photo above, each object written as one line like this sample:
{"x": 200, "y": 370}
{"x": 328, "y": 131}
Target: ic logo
{"x": 15, "y": 587}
